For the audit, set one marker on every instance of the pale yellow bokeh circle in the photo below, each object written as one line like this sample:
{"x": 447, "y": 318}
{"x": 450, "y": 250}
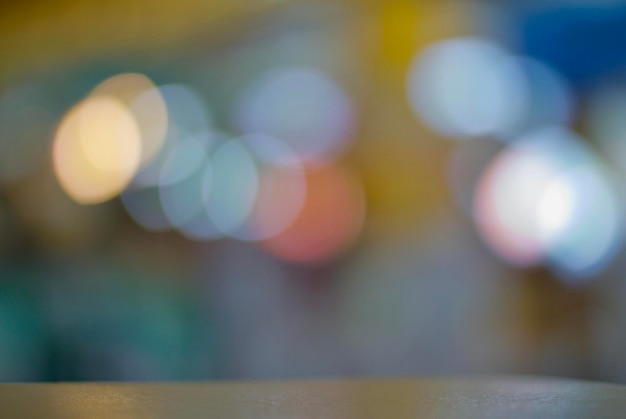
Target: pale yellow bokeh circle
{"x": 96, "y": 150}
{"x": 144, "y": 100}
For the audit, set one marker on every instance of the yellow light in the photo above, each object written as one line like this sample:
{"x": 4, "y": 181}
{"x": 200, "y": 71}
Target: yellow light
{"x": 124, "y": 87}
{"x": 96, "y": 150}
{"x": 143, "y": 99}
{"x": 150, "y": 112}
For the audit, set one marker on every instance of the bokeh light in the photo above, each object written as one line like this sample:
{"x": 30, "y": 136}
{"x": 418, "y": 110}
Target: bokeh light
{"x": 125, "y": 87}
{"x": 96, "y": 150}
{"x": 302, "y": 106}
{"x": 330, "y": 220}
{"x": 547, "y": 198}
{"x": 550, "y": 100}
{"x": 168, "y": 190}
{"x": 182, "y": 197}
{"x": 151, "y": 115}
{"x": 182, "y": 200}
{"x": 248, "y": 188}
{"x": 467, "y": 87}
{"x": 281, "y": 188}
{"x": 592, "y": 228}
{"x": 183, "y": 159}
{"x": 507, "y": 197}
{"x": 293, "y": 202}
{"x": 139, "y": 94}
{"x": 234, "y": 183}
{"x": 188, "y": 120}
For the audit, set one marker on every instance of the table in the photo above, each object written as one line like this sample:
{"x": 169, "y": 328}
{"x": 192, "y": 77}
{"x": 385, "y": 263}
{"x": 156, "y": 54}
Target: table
{"x": 476, "y": 397}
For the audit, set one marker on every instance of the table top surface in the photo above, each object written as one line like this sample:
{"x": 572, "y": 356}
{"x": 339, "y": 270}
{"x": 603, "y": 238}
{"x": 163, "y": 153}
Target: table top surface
{"x": 480, "y": 397}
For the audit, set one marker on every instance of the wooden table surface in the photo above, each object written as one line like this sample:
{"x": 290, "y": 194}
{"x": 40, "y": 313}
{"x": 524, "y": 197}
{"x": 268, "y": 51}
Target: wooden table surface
{"x": 485, "y": 397}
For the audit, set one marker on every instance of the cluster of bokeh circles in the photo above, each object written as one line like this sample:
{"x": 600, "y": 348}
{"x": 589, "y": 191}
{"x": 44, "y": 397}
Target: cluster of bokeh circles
{"x": 539, "y": 193}
{"x": 276, "y": 180}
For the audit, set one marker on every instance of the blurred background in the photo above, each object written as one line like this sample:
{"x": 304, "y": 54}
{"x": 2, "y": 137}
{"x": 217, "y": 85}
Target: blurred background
{"x": 208, "y": 189}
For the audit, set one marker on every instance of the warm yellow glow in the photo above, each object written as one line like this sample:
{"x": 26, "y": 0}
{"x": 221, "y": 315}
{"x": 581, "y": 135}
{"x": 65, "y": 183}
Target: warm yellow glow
{"x": 96, "y": 150}
{"x": 146, "y": 104}
{"x": 107, "y": 135}
{"x": 150, "y": 113}
{"x": 124, "y": 87}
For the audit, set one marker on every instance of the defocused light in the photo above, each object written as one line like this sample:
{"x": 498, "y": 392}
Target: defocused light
{"x": 182, "y": 199}
{"x": 592, "y": 230}
{"x": 96, "y": 150}
{"x": 281, "y": 190}
{"x": 467, "y": 87}
{"x": 188, "y": 118}
{"x": 185, "y": 182}
{"x": 183, "y": 160}
{"x": 151, "y": 115}
{"x": 232, "y": 192}
{"x": 550, "y": 100}
{"x": 169, "y": 191}
{"x": 282, "y": 193}
{"x": 301, "y": 106}
{"x": 547, "y": 198}
{"x": 330, "y": 220}
{"x": 124, "y": 87}
{"x": 555, "y": 207}
{"x": 249, "y": 188}
{"x": 506, "y": 200}
{"x": 108, "y": 136}
{"x": 187, "y": 109}
{"x": 139, "y": 94}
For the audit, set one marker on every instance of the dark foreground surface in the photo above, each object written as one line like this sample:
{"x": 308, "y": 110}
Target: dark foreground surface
{"x": 498, "y": 397}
